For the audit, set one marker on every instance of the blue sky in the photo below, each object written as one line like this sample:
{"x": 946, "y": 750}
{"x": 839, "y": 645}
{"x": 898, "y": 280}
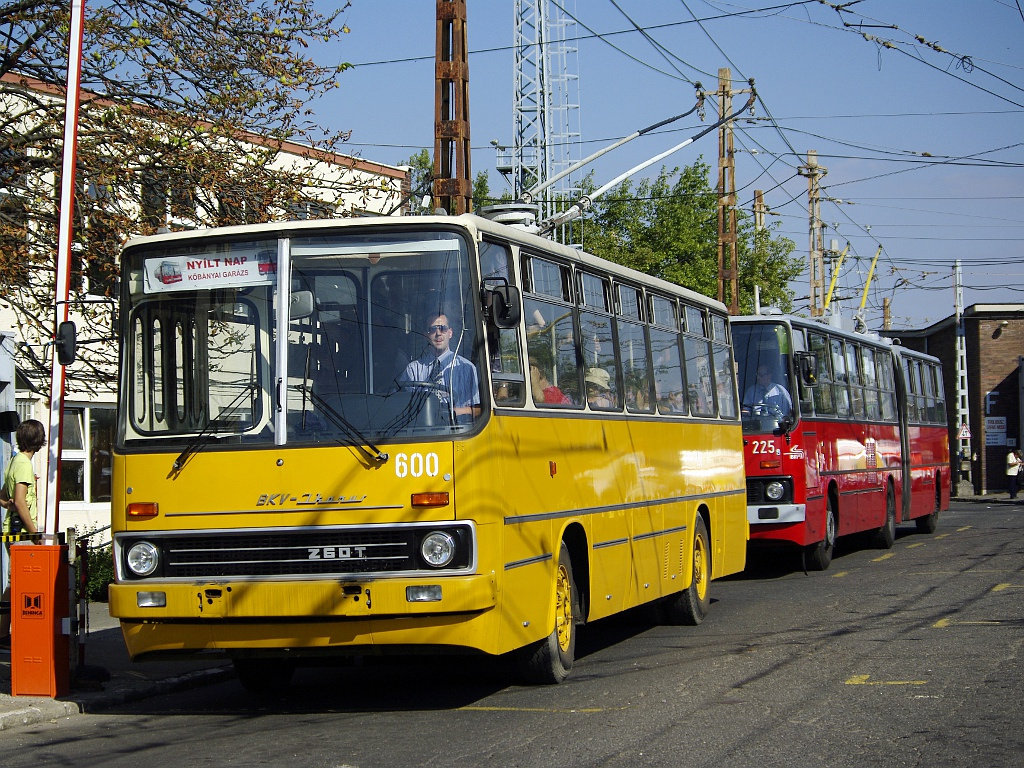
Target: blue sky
{"x": 924, "y": 148}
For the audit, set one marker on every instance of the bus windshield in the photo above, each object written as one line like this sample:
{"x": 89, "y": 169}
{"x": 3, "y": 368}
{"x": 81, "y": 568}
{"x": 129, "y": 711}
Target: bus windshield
{"x": 334, "y": 338}
{"x": 765, "y": 384}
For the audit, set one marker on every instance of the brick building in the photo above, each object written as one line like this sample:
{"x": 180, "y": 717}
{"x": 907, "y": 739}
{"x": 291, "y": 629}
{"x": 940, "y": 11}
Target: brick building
{"x": 994, "y": 343}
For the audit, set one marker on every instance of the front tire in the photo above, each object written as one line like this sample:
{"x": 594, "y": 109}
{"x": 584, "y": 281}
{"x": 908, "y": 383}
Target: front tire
{"x": 550, "y": 661}
{"x": 820, "y": 554}
{"x": 690, "y": 606}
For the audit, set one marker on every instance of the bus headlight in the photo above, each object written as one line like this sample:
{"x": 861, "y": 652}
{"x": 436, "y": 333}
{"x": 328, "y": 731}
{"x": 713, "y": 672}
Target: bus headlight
{"x": 437, "y": 549}
{"x": 143, "y": 558}
{"x": 774, "y": 490}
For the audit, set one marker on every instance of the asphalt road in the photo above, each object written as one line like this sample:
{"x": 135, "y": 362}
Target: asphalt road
{"x": 904, "y": 657}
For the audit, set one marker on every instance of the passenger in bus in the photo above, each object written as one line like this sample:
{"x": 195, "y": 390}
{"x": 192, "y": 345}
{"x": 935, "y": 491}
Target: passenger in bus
{"x": 599, "y": 391}
{"x": 767, "y": 396}
{"x": 452, "y": 377}
{"x": 543, "y": 390}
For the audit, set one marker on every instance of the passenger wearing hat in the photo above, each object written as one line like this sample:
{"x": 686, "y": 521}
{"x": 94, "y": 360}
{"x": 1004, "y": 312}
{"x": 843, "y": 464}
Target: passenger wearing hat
{"x": 599, "y": 393}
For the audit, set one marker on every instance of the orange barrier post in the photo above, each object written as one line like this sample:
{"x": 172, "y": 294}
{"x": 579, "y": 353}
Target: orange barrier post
{"x": 40, "y": 664}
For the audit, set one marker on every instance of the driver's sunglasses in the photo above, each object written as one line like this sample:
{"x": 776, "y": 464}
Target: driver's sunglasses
{"x": 436, "y": 328}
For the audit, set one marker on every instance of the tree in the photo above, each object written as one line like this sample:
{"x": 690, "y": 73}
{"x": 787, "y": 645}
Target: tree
{"x": 667, "y": 227}
{"x": 173, "y": 96}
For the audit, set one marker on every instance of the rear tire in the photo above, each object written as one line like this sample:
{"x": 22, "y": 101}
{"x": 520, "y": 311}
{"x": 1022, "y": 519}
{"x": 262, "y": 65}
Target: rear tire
{"x": 929, "y": 523}
{"x": 819, "y": 556}
{"x": 886, "y": 535}
{"x": 690, "y": 606}
{"x": 550, "y": 661}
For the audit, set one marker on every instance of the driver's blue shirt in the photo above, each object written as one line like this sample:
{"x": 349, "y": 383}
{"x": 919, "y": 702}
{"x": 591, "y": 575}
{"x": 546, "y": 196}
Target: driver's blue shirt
{"x": 454, "y": 374}
{"x": 776, "y": 395}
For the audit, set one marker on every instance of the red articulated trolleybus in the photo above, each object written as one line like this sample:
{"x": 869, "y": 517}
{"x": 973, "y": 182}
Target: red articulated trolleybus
{"x": 844, "y": 432}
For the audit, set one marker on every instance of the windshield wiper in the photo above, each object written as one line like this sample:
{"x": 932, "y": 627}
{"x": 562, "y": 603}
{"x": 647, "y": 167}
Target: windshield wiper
{"x": 355, "y": 436}
{"x": 207, "y": 433}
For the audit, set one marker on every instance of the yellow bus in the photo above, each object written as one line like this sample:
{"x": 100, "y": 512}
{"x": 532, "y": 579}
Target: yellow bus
{"x": 441, "y": 433}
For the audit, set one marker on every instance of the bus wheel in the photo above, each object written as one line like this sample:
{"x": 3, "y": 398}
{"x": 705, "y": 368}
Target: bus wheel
{"x": 549, "y": 661}
{"x": 886, "y": 535}
{"x": 929, "y": 523}
{"x": 264, "y": 676}
{"x": 690, "y": 606}
{"x": 820, "y": 554}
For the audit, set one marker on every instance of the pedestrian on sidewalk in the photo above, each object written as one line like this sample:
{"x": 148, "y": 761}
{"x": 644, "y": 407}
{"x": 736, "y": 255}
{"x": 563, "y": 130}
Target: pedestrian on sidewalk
{"x": 18, "y": 497}
{"x": 1014, "y": 462}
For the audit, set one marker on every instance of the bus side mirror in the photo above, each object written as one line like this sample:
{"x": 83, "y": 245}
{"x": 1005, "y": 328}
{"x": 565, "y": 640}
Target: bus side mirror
{"x": 807, "y": 362}
{"x": 502, "y": 304}
{"x": 301, "y": 305}
{"x": 65, "y": 343}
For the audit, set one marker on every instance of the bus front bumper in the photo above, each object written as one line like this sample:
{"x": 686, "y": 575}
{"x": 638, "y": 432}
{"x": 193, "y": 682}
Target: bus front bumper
{"x": 194, "y": 618}
{"x": 760, "y": 514}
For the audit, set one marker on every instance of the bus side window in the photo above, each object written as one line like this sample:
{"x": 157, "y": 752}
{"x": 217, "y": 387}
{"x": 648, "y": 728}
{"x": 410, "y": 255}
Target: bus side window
{"x": 872, "y": 406}
{"x": 911, "y": 387}
{"x": 840, "y": 379}
{"x": 697, "y": 356}
{"x": 856, "y": 379}
{"x": 940, "y": 395}
{"x": 887, "y": 387}
{"x": 822, "y": 395}
{"x": 552, "y": 354}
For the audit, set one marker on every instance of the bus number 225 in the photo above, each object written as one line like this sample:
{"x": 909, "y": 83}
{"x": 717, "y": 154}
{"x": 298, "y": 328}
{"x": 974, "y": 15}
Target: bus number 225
{"x": 416, "y": 465}
{"x": 766, "y": 446}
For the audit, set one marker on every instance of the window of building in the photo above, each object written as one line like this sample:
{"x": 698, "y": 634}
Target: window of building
{"x": 85, "y": 464}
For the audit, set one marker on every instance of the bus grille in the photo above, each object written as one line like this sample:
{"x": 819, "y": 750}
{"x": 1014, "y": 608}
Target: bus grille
{"x": 320, "y": 552}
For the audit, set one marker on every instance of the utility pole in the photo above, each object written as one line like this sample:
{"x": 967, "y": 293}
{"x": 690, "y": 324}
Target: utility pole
{"x": 728, "y": 267}
{"x": 814, "y": 172}
{"x": 963, "y": 413}
{"x": 453, "y": 190}
{"x": 758, "y": 210}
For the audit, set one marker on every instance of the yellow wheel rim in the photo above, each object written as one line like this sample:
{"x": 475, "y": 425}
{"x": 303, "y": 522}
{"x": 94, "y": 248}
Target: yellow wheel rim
{"x": 700, "y": 567}
{"x": 563, "y": 607}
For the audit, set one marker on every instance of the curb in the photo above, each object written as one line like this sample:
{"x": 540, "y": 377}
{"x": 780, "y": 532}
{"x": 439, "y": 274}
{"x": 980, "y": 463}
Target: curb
{"x": 41, "y": 710}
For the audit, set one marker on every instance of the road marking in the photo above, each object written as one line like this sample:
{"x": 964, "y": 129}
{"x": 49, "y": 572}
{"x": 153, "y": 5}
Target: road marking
{"x": 543, "y": 710}
{"x": 964, "y": 528}
{"x": 946, "y": 622}
{"x": 918, "y": 544}
{"x": 942, "y": 536}
{"x": 884, "y": 557}
{"x": 839, "y": 575}
{"x": 1001, "y": 587}
{"x": 863, "y": 680}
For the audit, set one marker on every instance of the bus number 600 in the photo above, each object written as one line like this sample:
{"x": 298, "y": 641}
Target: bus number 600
{"x": 417, "y": 465}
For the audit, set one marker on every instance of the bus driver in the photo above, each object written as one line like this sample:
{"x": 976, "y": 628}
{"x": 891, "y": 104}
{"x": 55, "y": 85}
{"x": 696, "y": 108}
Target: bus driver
{"x": 767, "y": 396}
{"x": 453, "y": 376}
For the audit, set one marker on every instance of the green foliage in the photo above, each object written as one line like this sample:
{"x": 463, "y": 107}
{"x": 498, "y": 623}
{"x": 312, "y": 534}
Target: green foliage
{"x": 667, "y": 227}
{"x": 100, "y": 574}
